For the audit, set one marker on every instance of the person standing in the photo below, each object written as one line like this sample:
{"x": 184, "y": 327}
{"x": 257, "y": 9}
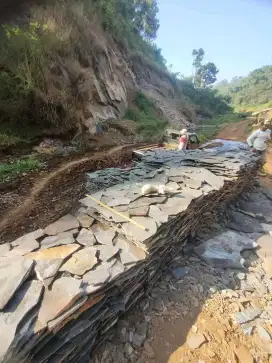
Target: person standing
{"x": 258, "y": 140}
{"x": 183, "y": 140}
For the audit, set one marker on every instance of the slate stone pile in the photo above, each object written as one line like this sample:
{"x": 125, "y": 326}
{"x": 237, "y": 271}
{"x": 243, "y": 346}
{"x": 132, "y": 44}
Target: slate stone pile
{"x": 64, "y": 287}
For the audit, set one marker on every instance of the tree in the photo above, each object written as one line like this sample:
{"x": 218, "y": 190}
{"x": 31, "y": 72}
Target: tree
{"x": 208, "y": 74}
{"x": 145, "y": 20}
{"x": 197, "y": 64}
{"x": 204, "y": 75}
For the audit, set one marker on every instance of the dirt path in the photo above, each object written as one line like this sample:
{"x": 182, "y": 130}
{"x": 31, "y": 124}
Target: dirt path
{"x": 55, "y": 193}
{"x": 236, "y": 131}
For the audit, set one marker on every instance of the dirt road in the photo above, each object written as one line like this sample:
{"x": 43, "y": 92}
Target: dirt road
{"x": 35, "y": 203}
{"x": 236, "y": 131}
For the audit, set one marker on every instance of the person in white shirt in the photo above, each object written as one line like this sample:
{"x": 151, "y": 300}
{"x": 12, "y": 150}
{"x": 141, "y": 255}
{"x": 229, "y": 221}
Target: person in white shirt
{"x": 258, "y": 140}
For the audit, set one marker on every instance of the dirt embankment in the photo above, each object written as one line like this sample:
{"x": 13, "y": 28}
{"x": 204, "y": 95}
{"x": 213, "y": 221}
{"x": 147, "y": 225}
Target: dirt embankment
{"x": 38, "y": 202}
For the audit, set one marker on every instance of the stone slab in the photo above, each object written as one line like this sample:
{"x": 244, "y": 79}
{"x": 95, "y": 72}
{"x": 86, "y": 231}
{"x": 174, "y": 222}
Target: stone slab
{"x": 45, "y": 269}
{"x": 196, "y": 341}
{"x": 30, "y": 236}
{"x": 25, "y": 299}
{"x": 139, "y": 212}
{"x": 13, "y": 272}
{"x": 224, "y": 251}
{"x": 247, "y": 315}
{"x": 64, "y": 224}
{"x": 81, "y": 261}
{"x": 98, "y": 276}
{"x": 64, "y": 293}
{"x": 156, "y": 213}
{"x": 64, "y": 238}
{"x": 86, "y": 237}
{"x": 130, "y": 253}
{"x": 85, "y": 220}
{"x": 105, "y": 237}
{"x": 59, "y": 252}
{"x": 4, "y": 249}
{"x": 107, "y": 252}
{"x": 133, "y": 231}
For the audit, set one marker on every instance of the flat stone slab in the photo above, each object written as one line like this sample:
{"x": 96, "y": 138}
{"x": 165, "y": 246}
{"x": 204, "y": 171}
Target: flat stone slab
{"x": 130, "y": 253}
{"x": 62, "y": 225}
{"x": 98, "y": 276}
{"x": 243, "y": 223}
{"x": 25, "y": 299}
{"x": 86, "y": 237}
{"x": 85, "y": 220}
{"x": 60, "y": 252}
{"x": 247, "y": 315}
{"x": 4, "y": 249}
{"x": 105, "y": 237}
{"x": 195, "y": 341}
{"x": 107, "y": 252}
{"x": 30, "y": 236}
{"x": 81, "y": 261}
{"x": 64, "y": 238}
{"x": 13, "y": 272}
{"x": 139, "y": 212}
{"x": 46, "y": 269}
{"x": 224, "y": 250}
{"x": 65, "y": 291}
{"x": 26, "y": 247}
{"x": 156, "y": 213}
{"x": 133, "y": 231}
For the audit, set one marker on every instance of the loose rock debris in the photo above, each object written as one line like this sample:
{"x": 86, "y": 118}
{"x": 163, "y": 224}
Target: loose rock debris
{"x": 82, "y": 301}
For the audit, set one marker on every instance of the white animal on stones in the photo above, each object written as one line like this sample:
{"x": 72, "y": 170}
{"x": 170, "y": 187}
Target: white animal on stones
{"x": 160, "y": 189}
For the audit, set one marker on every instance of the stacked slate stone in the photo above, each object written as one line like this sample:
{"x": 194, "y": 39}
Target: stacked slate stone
{"x": 64, "y": 287}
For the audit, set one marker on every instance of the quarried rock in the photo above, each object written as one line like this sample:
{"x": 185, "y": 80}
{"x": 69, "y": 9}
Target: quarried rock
{"x": 64, "y": 238}
{"x": 224, "y": 250}
{"x": 81, "y": 261}
{"x": 30, "y": 236}
{"x": 65, "y": 291}
{"x": 13, "y": 272}
{"x": 26, "y": 298}
{"x": 60, "y": 252}
{"x": 107, "y": 252}
{"x": 62, "y": 225}
{"x": 46, "y": 270}
{"x": 85, "y": 220}
{"x": 4, "y": 249}
{"x": 86, "y": 237}
{"x": 105, "y": 237}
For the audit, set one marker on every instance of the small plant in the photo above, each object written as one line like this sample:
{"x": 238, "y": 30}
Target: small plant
{"x": 9, "y": 171}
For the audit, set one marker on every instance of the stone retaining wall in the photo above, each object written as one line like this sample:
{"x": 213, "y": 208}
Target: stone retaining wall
{"x": 64, "y": 287}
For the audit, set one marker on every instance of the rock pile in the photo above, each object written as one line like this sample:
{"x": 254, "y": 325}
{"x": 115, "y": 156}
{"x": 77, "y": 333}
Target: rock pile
{"x": 64, "y": 287}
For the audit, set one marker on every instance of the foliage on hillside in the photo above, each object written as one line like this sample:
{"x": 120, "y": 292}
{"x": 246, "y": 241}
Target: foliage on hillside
{"x": 149, "y": 125}
{"x": 253, "y": 90}
{"x": 32, "y": 95}
{"x": 207, "y": 101}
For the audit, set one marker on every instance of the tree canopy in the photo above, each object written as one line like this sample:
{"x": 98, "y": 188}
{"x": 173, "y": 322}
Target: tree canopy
{"x": 204, "y": 75}
{"x": 253, "y": 90}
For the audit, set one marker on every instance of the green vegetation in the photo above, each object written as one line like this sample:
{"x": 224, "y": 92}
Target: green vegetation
{"x": 42, "y": 63}
{"x": 149, "y": 125}
{"x": 207, "y": 101}
{"x": 9, "y": 171}
{"x": 249, "y": 93}
{"x": 205, "y": 74}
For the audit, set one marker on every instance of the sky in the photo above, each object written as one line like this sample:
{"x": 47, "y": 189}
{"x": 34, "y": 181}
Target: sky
{"x": 235, "y": 34}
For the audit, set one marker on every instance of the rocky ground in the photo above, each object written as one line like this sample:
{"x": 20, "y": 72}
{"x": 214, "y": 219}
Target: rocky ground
{"x": 202, "y": 313}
